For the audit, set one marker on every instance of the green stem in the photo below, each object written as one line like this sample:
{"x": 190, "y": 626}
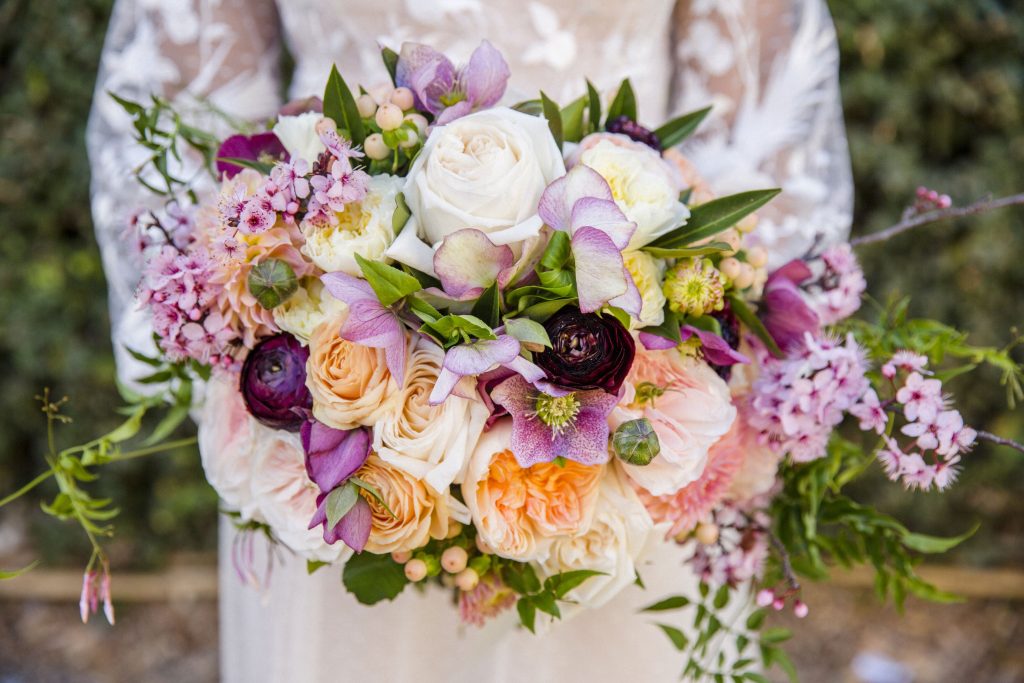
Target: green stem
{"x": 27, "y": 487}
{"x": 170, "y": 445}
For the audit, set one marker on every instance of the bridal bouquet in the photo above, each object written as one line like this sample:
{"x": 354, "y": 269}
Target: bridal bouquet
{"x": 512, "y": 350}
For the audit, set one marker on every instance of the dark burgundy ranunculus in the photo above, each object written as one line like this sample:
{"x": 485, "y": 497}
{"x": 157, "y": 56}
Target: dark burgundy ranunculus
{"x": 251, "y": 147}
{"x": 588, "y": 351}
{"x": 273, "y": 382}
{"x": 633, "y": 130}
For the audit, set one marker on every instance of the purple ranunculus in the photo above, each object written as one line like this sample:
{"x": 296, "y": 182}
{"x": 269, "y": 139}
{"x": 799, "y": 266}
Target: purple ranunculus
{"x": 634, "y": 131}
{"x": 784, "y": 311}
{"x": 252, "y": 147}
{"x": 273, "y": 382}
{"x": 588, "y": 351}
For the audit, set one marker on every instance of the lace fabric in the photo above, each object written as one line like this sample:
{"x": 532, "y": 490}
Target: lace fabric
{"x": 769, "y": 67}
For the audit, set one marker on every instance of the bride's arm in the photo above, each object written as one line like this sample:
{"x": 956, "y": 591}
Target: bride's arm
{"x": 225, "y": 52}
{"x": 770, "y": 68}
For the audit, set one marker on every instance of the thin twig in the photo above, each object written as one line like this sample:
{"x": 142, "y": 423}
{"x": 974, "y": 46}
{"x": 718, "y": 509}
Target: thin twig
{"x": 27, "y": 487}
{"x": 920, "y": 219}
{"x": 787, "y": 567}
{"x": 988, "y": 436}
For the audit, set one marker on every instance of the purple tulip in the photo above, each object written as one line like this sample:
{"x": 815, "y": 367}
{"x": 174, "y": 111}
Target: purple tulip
{"x": 784, "y": 311}
{"x": 252, "y": 147}
{"x": 273, "y": 382}
{"x": 588, "y": 351}
{"x": 333, "y": 455}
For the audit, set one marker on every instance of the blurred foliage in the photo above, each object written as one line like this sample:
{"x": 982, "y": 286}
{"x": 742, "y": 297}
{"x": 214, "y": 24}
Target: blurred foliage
{"x": 934, "y": 95}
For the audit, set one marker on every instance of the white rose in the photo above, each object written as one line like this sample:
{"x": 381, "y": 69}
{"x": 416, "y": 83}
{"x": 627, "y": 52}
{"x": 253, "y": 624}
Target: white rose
{"x": 363, "y": 228}
{"x": 285, "y": 497}
{"x": 306, "y": 309}
{"x": 431, "y": 443}
{"x": 298, "y": 135}
{"x": 647, "y": 273}
{"x": 227, "y": 438}
{"x": 485, "y": 171}
{"x": 620, "y": 535}
{"x": 643, "y": 184}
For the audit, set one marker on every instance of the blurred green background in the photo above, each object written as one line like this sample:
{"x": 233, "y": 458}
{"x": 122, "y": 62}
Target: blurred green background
{"x": 934, "y": 95}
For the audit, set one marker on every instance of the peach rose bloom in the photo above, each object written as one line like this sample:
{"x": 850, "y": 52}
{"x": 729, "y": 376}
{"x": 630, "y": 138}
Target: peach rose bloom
{"x": 420, "y": 513}
{"x": 693, "y": 413}
{"x": 350, "y": 383}
{"x": 518, "y": 512}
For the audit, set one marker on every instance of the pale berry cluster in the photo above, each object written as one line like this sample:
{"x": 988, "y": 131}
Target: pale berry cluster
{"x": 178, "y": 290}
{"x": 835, "y": 294}
{"x": 926, "y": 200}
{"x": 798, "y": 400}
{"x": 737, "y": 553}
{"x": 938, "y": 432}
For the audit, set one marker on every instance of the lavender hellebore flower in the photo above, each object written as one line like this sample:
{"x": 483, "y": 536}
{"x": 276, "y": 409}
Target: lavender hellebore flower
{"x": 784, "y": 311}
{"x": 332, "y": 457}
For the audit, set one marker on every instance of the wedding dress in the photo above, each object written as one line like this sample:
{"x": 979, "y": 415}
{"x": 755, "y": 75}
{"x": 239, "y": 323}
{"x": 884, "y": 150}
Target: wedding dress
{"x": 769, "y": 67}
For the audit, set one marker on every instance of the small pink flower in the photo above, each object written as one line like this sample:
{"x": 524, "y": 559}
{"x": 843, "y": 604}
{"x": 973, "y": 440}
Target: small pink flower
{"x": 870, "y": 412}
{"x": 921, "y": 398}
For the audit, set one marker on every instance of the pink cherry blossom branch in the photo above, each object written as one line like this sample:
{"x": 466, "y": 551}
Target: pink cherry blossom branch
{"x": 917, "y": 220}
{"x": 988, "y": 436}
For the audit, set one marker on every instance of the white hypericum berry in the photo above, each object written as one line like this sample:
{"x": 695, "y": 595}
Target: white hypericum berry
{"x": 746, "y": 276}
{"x": 381, "y": 93}
{"x": 467, "y": 580}
{"x": 402, "y": 98}
{"x": 420, "y": 121}
{"x": 454, "y": 559}
{"x": 415, "y": 570}
{"x": 800, "y": 609}
{"x": 389, "y": 116}
{"x": 375, "y": 147}
{"x": 366, "y": 106}
{"x": 401, "y": 556}
{"x": 757, "y": 256}
{"x": 730, "y": 267}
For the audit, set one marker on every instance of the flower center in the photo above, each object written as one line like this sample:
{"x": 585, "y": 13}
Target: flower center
{"x": 557, "y": 412}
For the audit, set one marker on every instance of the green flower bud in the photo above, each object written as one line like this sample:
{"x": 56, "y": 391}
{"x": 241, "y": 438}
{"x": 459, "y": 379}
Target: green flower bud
{"x": 636, "y": 442}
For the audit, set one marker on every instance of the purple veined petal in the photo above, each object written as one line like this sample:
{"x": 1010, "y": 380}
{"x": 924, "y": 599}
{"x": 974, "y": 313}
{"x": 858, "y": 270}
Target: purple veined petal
{"x": 443, "y": 386}
{"x": 485, "y": 77}
{"x": 370, "y": 324}
{"x": 428, "y": 73}
{"x": 796, "y": 271}
{"x": 606, "y": 216}
{"x": 481, "y": 356}
{"x": 600, "y": 274}
{"x": 588, "y": 444}
{"x": 347, "y": 288}
{"x": 320, "y": 516}
{"x": 467, "y": 260}
{"x": 631, "y": 302}
{"x": 558, "y": 199}
{"x": 395, "y": 357}
{"x": 248, "y": 147}
{"x": 655, "y": 342}
{"x": 456, "y": 111}
{"x": 333, "y": 455}
{"x": 354, "y": 528}
{"x": 716, "y": 350}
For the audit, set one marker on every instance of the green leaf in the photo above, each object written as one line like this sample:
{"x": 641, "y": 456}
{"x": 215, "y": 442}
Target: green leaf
{"x": 721, "y": 597}
{"x": 677, "y": 637}
{"x": 755, "y": 677}
{"x": 143, "y": 358}
{"x": 128, "y": 428}
{"x": 594, "y": 109}
{"x": 388, "y": 283}
{"x": 521, "y": 578}
{"x": 529, "y": 332}
{"x": 753, "y": 323}
{"x": 453, "y": 328}
{"x": 272, "y": 282}
{"x": 341, "y": 106}
{"x": 756, "y": 618}
{"x": 543, "y": 310}
{"x": 372, "y": 578}
{"x": 572, "y": 120}
{"x": 314, "y": 565}
{"x": 923, "y": 543}
{"x": 372, "y": 490}
{"x": 561, "y": 584}
{"x": 669, "y": 327}
{"x": 670, "y": 603}
{"x": 401, "y": 215}
{"x": 486, "y": 307}
{"x": 715, "y": 216}
{"x": 531, "y": 107}
{"x": 17, "y": 572}
{"x": 556, "y": 254}
{"x": 390, "y": 59}
{"x": 545, "y": 602}
{"x": 624, "y": 103}
{"x": 688, "y": 252}
{"x": 261, "y": 166}
{"x": 554, "y": 117}
{"x": 422, "y": 309}
{"x": 776, "y": 635}
{"x": 174, "y": 417}
{"x": 339, "y": 502}
{"x": 680, "y": 128}
{"x": 527, "y": 613}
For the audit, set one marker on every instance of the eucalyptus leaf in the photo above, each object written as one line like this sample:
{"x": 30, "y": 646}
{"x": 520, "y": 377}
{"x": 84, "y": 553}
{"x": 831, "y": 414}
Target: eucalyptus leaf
{"x": 923, "y": 543}
{"x": 670, "y": 603}
{"x": 678, "y": 638}
{"x": 527, "y": 613}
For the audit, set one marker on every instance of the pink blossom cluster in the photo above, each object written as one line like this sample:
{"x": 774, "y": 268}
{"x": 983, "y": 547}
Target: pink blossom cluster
{"x": 147, "y": 229}
{"x": 178, "y": 290}
{"x": 798, "y": 400}
{"x": 926, "y": 200}
{"x": 342, "y": 184}
{"x": 835, "y": 295}
{"x": 490, "y": 598}
{"x": 938, "y": 432}
{"x": 739, "y": 553}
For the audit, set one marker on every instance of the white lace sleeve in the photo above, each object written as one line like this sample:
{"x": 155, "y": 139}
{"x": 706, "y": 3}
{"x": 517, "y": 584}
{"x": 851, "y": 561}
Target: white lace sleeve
{"x": 222, "y": 52}
{"x": 770, "y": 67}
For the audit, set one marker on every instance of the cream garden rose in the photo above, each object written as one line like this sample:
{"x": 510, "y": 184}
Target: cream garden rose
{"x": 306, "y": 309}
{"x": 644, "y": 186}
{"x": 363, "y": 228}
{"x": 486, "y": 171}
{"x": 647, "y": 273}
{"x": 350, "y": 383}
{"x": 619, "y": 536}
{"x": 420, "y": 513}
{"x": 429, "y": 442}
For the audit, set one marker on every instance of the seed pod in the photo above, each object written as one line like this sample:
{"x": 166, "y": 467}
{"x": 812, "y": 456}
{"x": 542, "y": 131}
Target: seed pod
{"x": 636, "y": 442}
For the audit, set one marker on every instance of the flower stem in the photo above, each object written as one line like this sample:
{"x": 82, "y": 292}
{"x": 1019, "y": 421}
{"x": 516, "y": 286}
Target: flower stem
{"x": 917, "y": 220}
{"x": 988, "y": 436}
{"x": 27, "y": 487}
{"x": 138, "y": 453}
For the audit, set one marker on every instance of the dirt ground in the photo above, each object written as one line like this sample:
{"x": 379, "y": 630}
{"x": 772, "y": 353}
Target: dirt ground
{"x": 848, "y": 637}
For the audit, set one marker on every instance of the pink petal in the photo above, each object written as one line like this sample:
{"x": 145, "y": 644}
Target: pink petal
{"x": 600, "y": 275}
{"x": 354, "y": 528}
{"x": 485, "y": 76}
{"x": 443, "y": 386}
{"x": 631, "y": 302}
{"x": 456, "y": 111}
{"x": 716, "y": 350}
{"x": 560, "y": 196}
{"x": 467, "y": 260}
{"x": 347, "y": 288}
{"x": 606, "y": 216}
{"x": 655, "y": 342}
{"x": 481, "y": 356}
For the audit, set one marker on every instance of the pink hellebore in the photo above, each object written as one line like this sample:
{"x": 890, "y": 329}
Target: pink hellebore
{"x": 545, "y": 427}
{"x": 580, "y": 203}
{"x": 783, "y": 309}
{"x": 480, "y": 357}
{"x": 716, "y": 350}
{"x": 332, "y": 456}
{"x": 369, "y": 322}
{"x": 468, "y": 262}
{"x": 449, "y": 93}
